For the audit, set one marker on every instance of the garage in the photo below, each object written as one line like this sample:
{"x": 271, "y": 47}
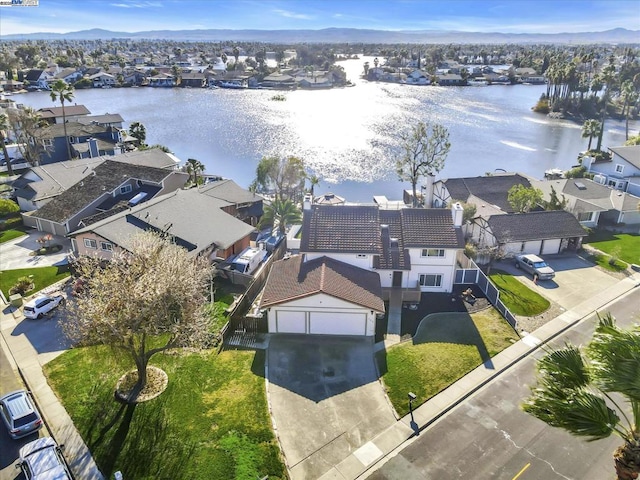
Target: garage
{"x": 550, "y": 247}
{"x": 321, "y": 297}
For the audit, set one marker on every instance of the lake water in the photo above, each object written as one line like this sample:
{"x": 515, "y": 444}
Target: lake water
{"x": 348, "y": 136}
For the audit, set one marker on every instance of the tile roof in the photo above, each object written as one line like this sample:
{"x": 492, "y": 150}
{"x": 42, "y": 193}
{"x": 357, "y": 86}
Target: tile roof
{"x": 108, "y": 175}
{"x": 492, "y": 189}
{"x": 69, "y": 110}
{"x": 522, "y": 227}
{"x": 291, "y": 279}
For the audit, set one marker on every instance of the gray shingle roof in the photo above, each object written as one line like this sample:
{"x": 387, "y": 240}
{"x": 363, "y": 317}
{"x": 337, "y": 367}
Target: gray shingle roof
{"x": 108, "y": 176}
{"x": 521, "y": 227}
{"x": 69, "y": 110}
{"x": 195, "y": 220}
{"x": 101, "y": 119}
{"x": 630, "y": 153}
{"x": 74, "y": 129}
{"x": 292, "y": 278}
{"x": 492, "y": 189}
{"x": 229, "y": 191}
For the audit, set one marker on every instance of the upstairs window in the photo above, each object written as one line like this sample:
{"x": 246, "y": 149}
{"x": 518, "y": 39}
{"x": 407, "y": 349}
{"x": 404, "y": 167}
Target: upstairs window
{"x": 125, "y": 189}
{"x": 106, "y": 246}
{"x": 433, "y": 252}
{"x": 619, "y": 168}
{"x": 89, "y": 243}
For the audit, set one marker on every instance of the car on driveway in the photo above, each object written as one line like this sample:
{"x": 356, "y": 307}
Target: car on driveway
{"x": 535, "y": 266}
{"x": 40, "y": 306}
{"x": 19, "y": 414}
{"x": 42, "y": 460}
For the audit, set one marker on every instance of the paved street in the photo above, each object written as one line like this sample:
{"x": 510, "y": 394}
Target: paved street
{"x": 489, "y": 437}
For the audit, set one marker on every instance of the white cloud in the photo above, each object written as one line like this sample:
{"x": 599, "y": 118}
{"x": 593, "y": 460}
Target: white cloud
{"x": 298, "y": 16}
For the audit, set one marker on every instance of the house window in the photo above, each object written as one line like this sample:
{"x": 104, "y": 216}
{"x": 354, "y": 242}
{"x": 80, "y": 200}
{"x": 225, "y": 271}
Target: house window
{"x": 433, "y": 252}
{"x": 106, "y": 246}
{"x": 430, "y": 280}
{"x": 47, "y": 142}
{"x": 585, "y": 216}
{"x": 619, "y": 168}
{"x": 89, "y": 243}
{"x": 361, "y": 255}
{"x": 125, "y": 189}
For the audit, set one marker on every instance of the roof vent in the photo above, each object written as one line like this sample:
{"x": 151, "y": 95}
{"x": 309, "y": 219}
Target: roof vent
{"x": 580, "y": 185}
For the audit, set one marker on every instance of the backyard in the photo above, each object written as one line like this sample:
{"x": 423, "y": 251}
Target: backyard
{"x": 212, "y": 421}
{"x": 446, "y": 347}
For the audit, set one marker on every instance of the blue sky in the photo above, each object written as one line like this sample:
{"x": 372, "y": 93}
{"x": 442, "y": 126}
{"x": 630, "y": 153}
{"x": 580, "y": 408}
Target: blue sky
{"x": 509, "y": 16}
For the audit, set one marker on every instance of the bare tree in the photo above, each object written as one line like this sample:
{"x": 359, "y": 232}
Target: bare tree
{"x": 142, "y": 302}
{"x": 26, "y": 126}
{"x": 424, "y": 150}
{"x": 283, "y": 176}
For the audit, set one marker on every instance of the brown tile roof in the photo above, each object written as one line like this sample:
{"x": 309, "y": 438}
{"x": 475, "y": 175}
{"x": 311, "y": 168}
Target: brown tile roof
{"x": 291, "y": 279}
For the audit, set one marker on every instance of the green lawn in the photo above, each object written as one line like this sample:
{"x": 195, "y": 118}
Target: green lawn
{"x": 10, "y": 234}
{"x": 518, "y": 298}
{"x": 628, "y": 245}
{"x": 446, "y": 347}
{"x": 603, "y": 261}
{"x": 42, "y": 277}
{"x": 211, "y": 422}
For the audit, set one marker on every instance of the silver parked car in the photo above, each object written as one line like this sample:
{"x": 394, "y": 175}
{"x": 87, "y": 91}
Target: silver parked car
{"x": 535, "y": 266}
{"x": 19, "y": 414}
{"x": 42, "y": 460}
{"x": 40, "y": 306}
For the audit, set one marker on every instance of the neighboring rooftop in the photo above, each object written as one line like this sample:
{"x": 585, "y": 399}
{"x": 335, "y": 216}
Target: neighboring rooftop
{"x": 521, "y": 227}
{"x": 630, "y": 153}
{"x": 492, "y": 189}
{"x": 229, "y": 191}
{"x": 69, "y": 111}
{"x": 291, "y": 278}
{"x": 106, "y": 119}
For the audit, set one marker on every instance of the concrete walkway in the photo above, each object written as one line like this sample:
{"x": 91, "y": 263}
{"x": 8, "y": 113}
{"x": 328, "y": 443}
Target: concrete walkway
{"x": 364, "y": 459}
{"x": 394, "y": 323}
{"x": 19, "y": 348}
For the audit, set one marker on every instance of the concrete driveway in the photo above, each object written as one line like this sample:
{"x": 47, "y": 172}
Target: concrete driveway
{"x": 325, "y": 398}
{"x": 15, "y": 253}
{"x": 576, "y": 279}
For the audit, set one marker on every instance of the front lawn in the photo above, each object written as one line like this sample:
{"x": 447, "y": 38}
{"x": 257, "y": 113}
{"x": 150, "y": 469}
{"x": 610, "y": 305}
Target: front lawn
{"x": 625, "y": 245}
{"x": 517, "y": 297}
{"x": 42, "y": 277}
{"x": 445, "y": 347}
{"x": 604, "y": 261}
{"x": 211, "y": 422}
{"x": 7, "y": 235}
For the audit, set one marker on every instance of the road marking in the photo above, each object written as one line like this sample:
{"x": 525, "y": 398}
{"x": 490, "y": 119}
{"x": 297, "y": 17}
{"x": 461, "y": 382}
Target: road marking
{"x": 521, "y": 471}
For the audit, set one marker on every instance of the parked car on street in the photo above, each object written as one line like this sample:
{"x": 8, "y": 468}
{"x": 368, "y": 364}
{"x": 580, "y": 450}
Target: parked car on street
{"x": 19, "y": 414}
{"x": 42, "y": 459}
{"x": 40, "y": 306}
{"x": 535, "y": 266}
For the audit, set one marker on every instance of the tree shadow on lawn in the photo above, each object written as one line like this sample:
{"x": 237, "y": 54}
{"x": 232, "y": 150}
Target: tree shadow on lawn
{"x": 452, "y": 327}
{"x": 136, "y": 439}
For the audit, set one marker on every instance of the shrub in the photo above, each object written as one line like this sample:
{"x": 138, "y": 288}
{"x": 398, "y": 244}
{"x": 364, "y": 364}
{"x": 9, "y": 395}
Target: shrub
{"x": 543, "y": 105}
{"x": 22, "y": 286}
{"x": 8, "y": 206}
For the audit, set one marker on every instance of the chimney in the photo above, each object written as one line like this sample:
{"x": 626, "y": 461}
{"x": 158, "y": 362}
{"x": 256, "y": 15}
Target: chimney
{"x": 307, "y": 202}
{"x": 457, "y": 212}
{"x": 384, "y": 235}
{"x": 428, "y": 191}
{"x": 93, "y": 147}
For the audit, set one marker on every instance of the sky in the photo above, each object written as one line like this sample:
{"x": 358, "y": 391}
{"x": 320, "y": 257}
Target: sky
{"x": 508, "y": 16}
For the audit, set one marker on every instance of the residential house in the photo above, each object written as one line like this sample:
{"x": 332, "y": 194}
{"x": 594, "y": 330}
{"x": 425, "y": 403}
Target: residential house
{"x": 107, "y": 120}
{"x": 111, "y": 185}
{"x": 54, "y": 115}
{"x": 529, "y": 75}
{"x": 195, "y": 220}
{"x": 11, "y": 85}
{"x": 193, "y": 80}
{"x": 67, "y": 75}
{"x": 539, "y": 233}
{"x": 622, "y": 172}
{"x": 162, "y": 80}
{"x": 89, "y": 140}
{"x": 39, "y": 185}
{"x": 591, "y": 203}
{"x": 418, "y": 77}
{"x": 103, "y": 80}
{"x": 37, "y": 78}
{"x": 279, "y": 81}
{"x": 241, "y": 204}
{"x": 449, "y": 79}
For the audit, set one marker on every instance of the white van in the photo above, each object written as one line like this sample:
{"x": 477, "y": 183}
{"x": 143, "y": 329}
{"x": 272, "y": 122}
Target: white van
{"x": 249, "y": 260}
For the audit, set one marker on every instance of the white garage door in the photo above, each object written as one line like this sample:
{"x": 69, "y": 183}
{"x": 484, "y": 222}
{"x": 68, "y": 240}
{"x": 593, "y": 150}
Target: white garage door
{"x": 290, "y": 322}
{"x": 338, "y": 323}
{"x": 550, "y": 247}
{"x": 532, "y": 247}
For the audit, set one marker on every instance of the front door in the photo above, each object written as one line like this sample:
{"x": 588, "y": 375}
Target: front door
{"x": 397, "y": 279}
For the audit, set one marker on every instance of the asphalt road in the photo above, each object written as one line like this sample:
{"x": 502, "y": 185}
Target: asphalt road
{"x": 489, "y": 437}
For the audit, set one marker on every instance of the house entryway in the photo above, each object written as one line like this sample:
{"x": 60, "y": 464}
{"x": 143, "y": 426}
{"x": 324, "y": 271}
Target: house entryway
{"x": 397, "y": 279}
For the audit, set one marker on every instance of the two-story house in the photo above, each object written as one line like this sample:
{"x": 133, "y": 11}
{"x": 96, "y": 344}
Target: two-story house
{"x": 53, "y": 115}
{"x": 111, "y": 186}
{"x": 86, "y": 141}
{"x": 621, "y": 172}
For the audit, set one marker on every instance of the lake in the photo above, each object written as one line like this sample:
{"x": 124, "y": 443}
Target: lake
{"x": 347, "y": 136}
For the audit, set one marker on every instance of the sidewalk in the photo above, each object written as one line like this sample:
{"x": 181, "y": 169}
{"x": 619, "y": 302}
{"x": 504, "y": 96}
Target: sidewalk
{"x": 28, "y": 361}
{"x": 365, "y": 458}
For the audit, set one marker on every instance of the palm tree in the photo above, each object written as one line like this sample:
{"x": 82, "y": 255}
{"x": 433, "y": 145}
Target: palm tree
{"x": 280, "y": 214}
{"x": 63, "y": 92}
{"x": 579, "y": 392}
{"x": 194, "y": 167}
{"x": 138, "y": 131}
{"x": 590, "y": 129}
{"x": 4, "y": 126}
{"x": 630, "y": 95}
{"x": 313, "y": 181}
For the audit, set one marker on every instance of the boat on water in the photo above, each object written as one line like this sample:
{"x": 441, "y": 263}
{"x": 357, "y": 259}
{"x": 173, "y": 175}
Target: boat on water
{"x": 554, "y": 173}
{"x": 231, "y": 85}
{"x": 477, "y": 83}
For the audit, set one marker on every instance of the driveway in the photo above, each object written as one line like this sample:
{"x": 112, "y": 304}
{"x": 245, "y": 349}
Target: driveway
{"x": 325, "y": 399}
{"x": 15, "y": 253}
{"x": 576, "y": 279}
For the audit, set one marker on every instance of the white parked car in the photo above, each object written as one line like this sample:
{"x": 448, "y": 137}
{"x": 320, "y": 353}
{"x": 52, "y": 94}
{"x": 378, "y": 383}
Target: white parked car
{"x": 40, "y": 306}
{"x": 535, "y": 266}
{"x": 42, "y": 460}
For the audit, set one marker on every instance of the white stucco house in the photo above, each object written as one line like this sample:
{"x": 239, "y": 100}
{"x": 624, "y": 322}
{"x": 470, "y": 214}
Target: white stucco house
{"x": 351, "y": 256}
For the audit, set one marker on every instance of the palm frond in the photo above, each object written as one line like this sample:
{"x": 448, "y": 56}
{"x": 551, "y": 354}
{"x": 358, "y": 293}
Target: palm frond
{"x": 565, "y": 368}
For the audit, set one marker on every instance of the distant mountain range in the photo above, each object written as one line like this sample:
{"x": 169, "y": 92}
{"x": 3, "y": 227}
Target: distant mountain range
{"x": 346, "y": 35}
